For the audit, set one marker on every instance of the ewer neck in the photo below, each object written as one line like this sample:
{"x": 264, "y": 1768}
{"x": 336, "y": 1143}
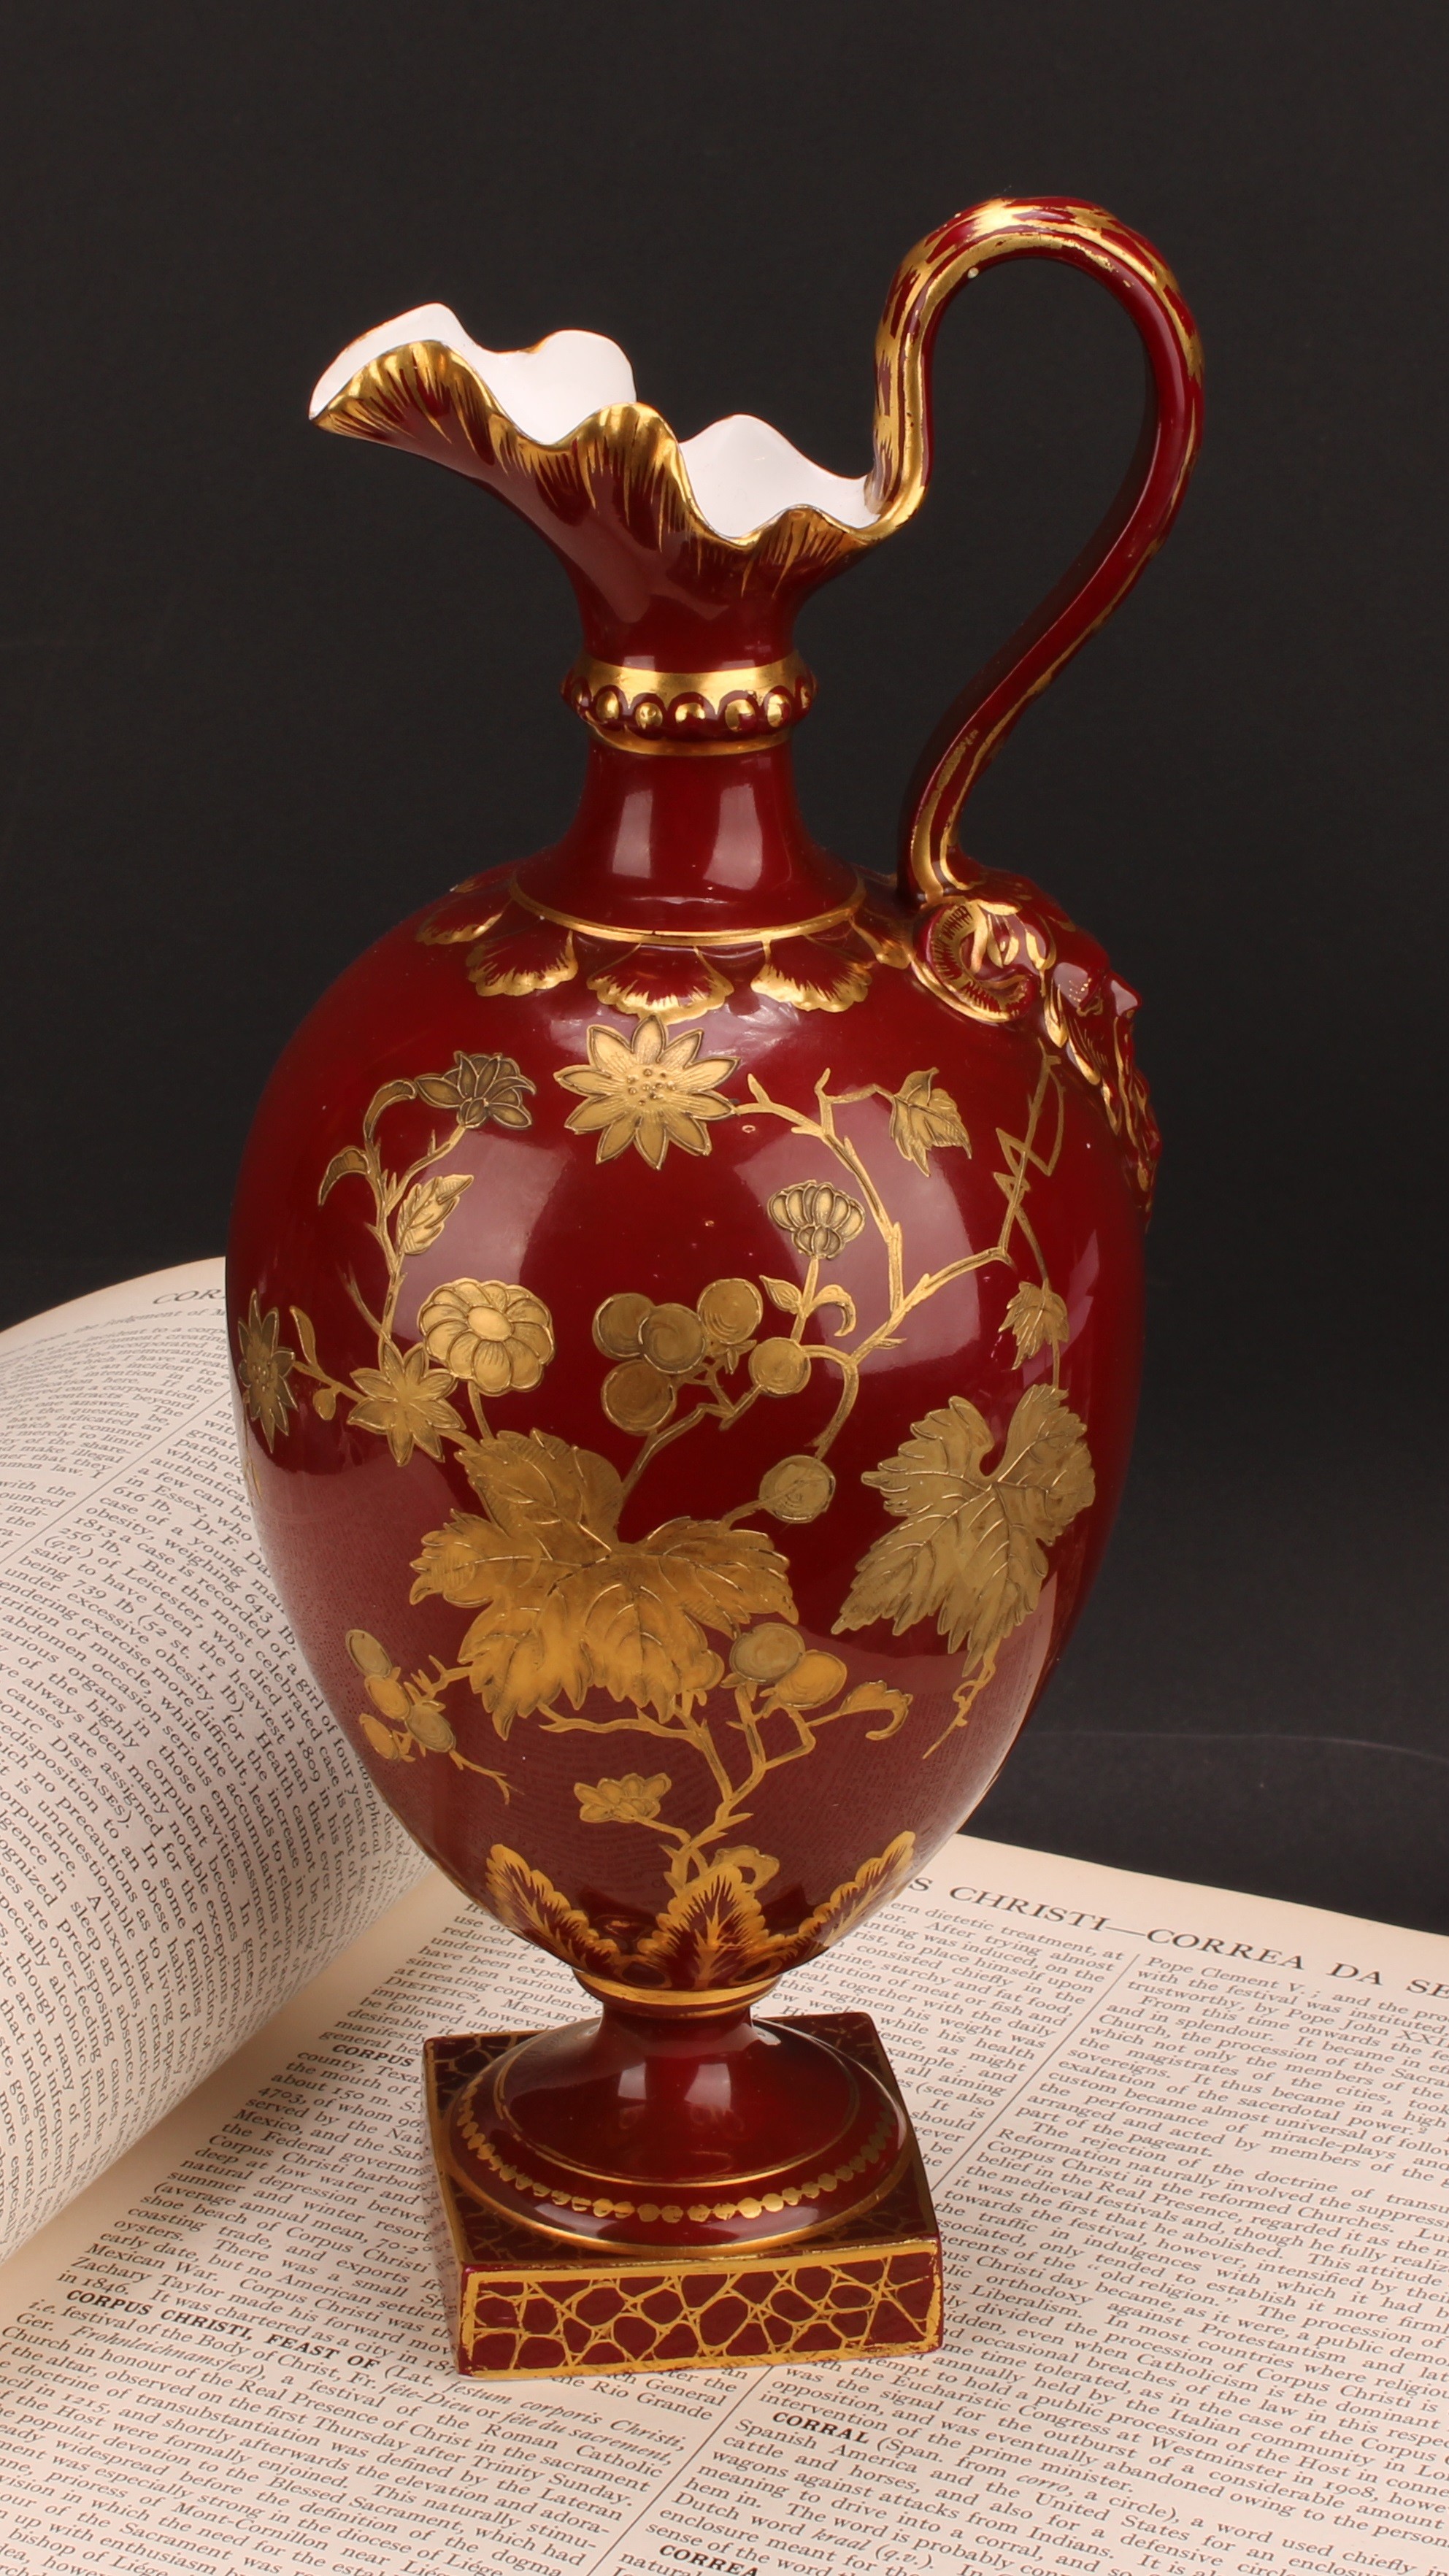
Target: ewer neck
{"x": 688, "y": 845}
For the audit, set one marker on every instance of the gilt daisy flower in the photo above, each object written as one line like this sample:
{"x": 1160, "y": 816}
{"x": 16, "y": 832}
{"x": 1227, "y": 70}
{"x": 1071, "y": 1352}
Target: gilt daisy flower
{"x": 654, "y": 1092}
{"x": 264, "y": 1364}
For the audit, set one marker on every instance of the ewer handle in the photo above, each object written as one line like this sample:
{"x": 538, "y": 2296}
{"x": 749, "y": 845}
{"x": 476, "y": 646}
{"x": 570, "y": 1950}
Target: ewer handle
{"x": 1082, "y": 236}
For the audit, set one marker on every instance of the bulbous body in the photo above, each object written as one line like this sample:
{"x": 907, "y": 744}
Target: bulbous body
{"x": 688, "y": 1299}
{"x": 850, "y": 1369}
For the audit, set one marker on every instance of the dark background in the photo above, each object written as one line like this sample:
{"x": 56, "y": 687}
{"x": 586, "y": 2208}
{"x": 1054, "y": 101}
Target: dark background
{"x": 265, "y": 692}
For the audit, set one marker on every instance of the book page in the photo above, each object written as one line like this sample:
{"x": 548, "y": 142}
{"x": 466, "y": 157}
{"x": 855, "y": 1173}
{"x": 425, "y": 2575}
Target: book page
{"x": 185, "y": 1837}
{"x": 1191, "y": 2158}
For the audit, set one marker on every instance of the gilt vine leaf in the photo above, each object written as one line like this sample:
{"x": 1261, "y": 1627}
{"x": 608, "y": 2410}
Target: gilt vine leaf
{"x": 472, "y": 1562}
{"x": 720, "y": 1576}
{"x": 971, "y": 1547}
{"x": 635, "y": 1637}
{"x": 566, "y": 1606}
{"x": 564, "y": 1502}
{"x": 526, "y": 1652}
{"x": 923, "y": 1117}
{"x": 895, "y": 1706}
{"x": 1036, "y": 1315}
{"x": 389, "y": 1097}
{"x": 306, "y": 1336}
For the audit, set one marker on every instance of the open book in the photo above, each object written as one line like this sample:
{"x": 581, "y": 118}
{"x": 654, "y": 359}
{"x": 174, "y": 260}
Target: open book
{"x": 1190, "y": 2152}
{"x": 185, "y": 1838}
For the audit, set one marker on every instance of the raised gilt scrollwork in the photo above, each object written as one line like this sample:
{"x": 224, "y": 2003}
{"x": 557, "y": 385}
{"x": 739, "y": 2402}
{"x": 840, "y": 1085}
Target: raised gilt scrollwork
{"x": 1000, "y": 951}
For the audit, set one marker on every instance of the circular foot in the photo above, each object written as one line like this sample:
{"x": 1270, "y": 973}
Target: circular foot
{"x": 649, "y": 2129}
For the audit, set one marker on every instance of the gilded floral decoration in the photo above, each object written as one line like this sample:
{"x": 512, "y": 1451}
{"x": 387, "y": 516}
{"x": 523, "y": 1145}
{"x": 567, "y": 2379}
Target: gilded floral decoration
{"x": 651, "y": 1092}
{"x": 264, "y": 1367}
{"x": 997, "y": 950}
{"x": 577, "y": 1617}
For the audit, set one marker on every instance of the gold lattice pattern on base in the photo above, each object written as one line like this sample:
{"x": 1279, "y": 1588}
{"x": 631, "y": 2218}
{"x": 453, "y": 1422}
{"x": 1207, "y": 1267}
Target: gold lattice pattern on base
{"x": 784, "y": 2310}
{"x": 523, "y": 2304}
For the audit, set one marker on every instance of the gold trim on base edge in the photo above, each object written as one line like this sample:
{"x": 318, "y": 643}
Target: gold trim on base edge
{"x": 524, "y": 2305}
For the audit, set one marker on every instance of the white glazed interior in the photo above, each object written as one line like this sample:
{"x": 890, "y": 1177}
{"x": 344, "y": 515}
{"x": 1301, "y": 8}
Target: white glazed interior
{"x": 742, "y": 472}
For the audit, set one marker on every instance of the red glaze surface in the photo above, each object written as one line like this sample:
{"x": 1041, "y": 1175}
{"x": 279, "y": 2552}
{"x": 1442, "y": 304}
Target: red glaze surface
{"x": 683, "y": 1708}
{"x": 688, "y": 845}
{"x": 342, "y": 1524}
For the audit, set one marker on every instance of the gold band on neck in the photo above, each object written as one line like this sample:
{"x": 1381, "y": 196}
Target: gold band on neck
{"x": 633, "y": 936}
{"x": 740, "y": 707}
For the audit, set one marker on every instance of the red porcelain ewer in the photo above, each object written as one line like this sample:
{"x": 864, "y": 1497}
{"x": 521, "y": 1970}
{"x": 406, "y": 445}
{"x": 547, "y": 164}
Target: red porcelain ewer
{"x": 687, "y": 1307}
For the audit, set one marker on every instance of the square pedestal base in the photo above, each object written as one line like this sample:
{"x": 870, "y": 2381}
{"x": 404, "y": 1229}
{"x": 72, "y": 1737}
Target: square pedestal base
{"x": 523, "y": 2305}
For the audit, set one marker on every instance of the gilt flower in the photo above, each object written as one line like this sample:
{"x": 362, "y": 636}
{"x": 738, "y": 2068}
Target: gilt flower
{"x": 654, "y": 1092}
{"x": 498, "y": 1337}
{"x": 477, "y": 1088}
{"x": 264, "y": 1366}
{"x": 405, "y": 1402}
{"x": 923, "y": 1116}
{"x": 630, "y": 1801}
{"x": 818, "y": 1218}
